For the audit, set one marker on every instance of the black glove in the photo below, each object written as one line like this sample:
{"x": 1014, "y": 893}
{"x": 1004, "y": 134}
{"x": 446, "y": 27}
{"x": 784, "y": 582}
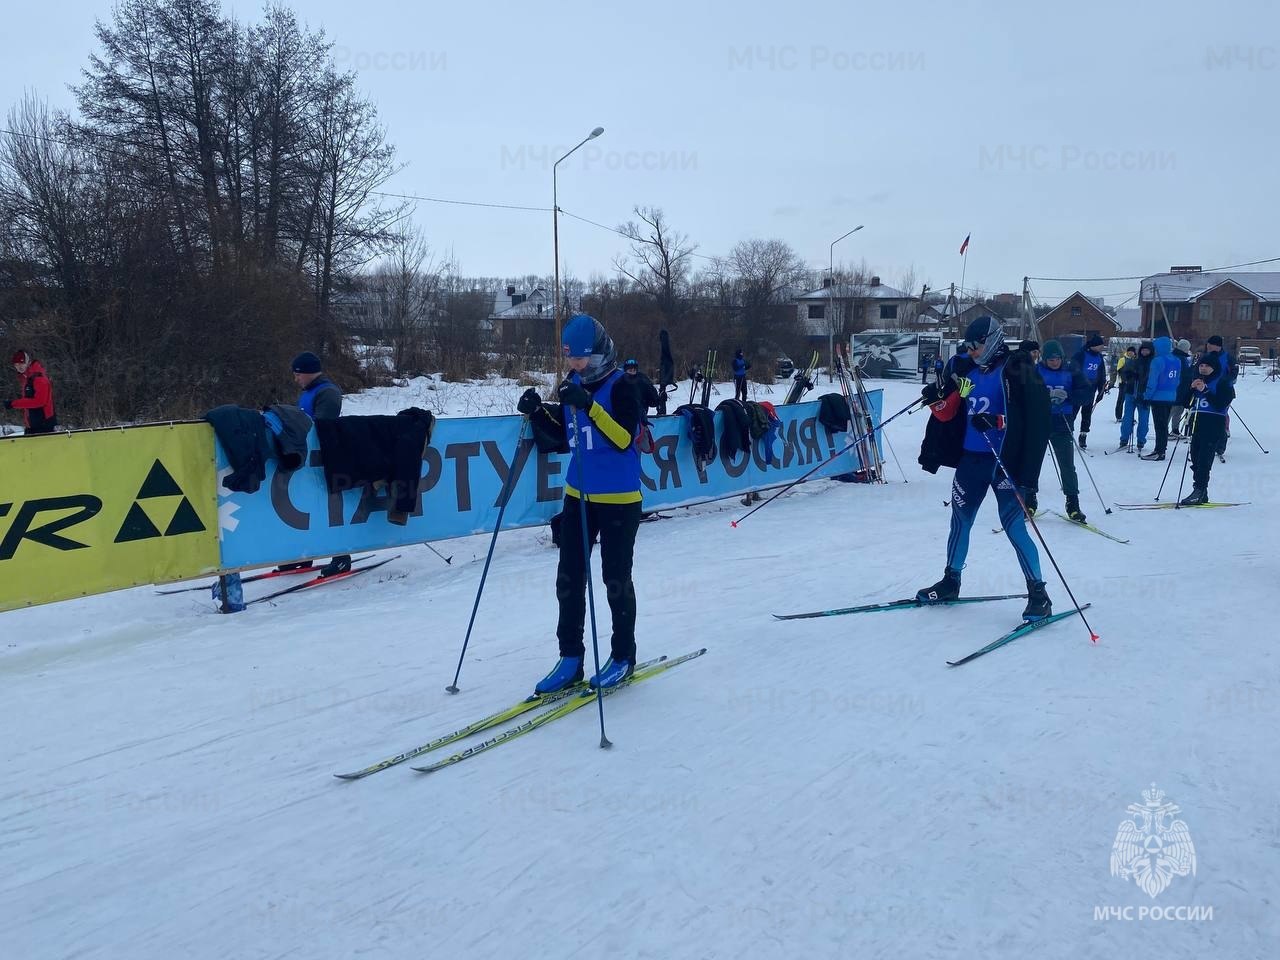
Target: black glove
{"x": 529, "y": 402}
{"x": 8, "y": 404}
{"x": 575, "y": 395}
{"x": 930, "y": 394}
{"x": 982, "y": 422}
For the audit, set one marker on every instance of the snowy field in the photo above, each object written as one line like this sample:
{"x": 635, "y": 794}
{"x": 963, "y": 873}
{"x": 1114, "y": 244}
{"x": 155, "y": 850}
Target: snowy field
{"x": 815, "y": 788}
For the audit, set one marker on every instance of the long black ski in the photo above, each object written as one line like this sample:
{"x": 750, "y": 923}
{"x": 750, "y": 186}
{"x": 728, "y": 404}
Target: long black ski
{"x": 1015, "y": 633}
{"x": 1178, "y": 506}
{"x": 323, "y": 581}
{"x": 910, "y": 603}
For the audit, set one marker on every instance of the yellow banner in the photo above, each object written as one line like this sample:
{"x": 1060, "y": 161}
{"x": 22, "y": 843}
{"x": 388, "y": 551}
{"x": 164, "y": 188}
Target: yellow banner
{"x": 101, "y": 510}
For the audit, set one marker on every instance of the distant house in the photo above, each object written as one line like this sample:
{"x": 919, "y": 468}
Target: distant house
{"x": 857, "y": 306}
{"x": 1080, "y": 316}
{"x": 517, "y": 317}
{"x": 1236, "y": 305}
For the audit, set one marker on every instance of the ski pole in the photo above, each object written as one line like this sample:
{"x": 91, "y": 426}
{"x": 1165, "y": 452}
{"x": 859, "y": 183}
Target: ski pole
{"x": 448, "y": 560}
{"x": 605, "y": 743}
{"x": 1170, "y": 464}
{"x": 1183, "y": 479}
{"x": 502, "y": 508}
{"x": 1084, "y": 460}
{"x": 1246, "y": 426}
{"x": 808, "y": 473}
{"x": 893, "y": 453}
{"x": 1032, "y": 520}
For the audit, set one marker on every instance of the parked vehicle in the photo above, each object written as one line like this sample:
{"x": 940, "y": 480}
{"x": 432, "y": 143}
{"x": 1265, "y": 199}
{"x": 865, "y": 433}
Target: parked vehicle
{"x": 785, "y": 368}
{"x": 1250, "y": 355}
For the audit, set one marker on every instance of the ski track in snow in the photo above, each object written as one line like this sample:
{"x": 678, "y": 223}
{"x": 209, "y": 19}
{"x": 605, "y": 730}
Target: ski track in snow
{"x": 816, "y": 788}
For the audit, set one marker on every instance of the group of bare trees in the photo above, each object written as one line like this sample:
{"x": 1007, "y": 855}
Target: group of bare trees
{"x": 214, "y": 206}
{"x": 173, "y": 245}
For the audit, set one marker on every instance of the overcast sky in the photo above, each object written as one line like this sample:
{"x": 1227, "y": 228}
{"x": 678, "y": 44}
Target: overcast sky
{"x": 1080, "y": 139}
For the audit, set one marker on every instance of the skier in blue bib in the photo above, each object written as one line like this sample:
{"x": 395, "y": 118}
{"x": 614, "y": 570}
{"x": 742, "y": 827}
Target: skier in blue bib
{"x": 597, "y": 420}
{"x": 1001, "y": 405}
{"x": 1093, "y": 367}
{"x": 1068, "y": 390}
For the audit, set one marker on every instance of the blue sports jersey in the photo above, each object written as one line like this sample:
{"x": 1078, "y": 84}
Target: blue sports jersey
{"x": 986, "y": 397}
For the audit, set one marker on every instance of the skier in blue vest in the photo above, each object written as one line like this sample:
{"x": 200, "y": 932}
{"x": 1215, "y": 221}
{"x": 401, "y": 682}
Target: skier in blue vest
{"x": 1001, "y": 403}
{"x": 1160, "y": 391}
{"x": 598, "y": 420}
{"x": 1211, "y": 397}
{"x": 1093, "y": 367}
{"x": 1068, "y": 391}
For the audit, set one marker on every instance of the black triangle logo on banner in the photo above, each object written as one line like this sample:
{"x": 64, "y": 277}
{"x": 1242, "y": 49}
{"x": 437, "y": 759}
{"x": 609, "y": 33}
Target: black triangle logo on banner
{"x": 159, "y": 483}
{"x": 184, "y": 520}
{"x": 137, "y": 526}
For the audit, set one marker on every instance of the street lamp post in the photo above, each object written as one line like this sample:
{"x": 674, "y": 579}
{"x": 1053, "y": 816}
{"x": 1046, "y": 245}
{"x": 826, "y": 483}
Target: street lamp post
{"x": 555, "y": 227}
{"x": 831, "y": 317}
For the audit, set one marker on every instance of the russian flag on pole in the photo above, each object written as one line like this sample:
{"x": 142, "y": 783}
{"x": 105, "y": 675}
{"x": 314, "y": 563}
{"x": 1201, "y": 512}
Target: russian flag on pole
{"x": 965, "y": 246}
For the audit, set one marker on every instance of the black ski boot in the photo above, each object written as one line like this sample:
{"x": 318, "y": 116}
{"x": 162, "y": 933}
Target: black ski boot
{"x": 948, "y": 588}
{"x": 1032, "y": 502}
{"x": 1039, "y": 605}
{"x": 1083, "y": 444}
{"x": 1073, "y": 510}
{"x": 1197, "y": 496}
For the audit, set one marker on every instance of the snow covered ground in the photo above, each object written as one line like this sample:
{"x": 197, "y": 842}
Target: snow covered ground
{"x": 816, "y": 788}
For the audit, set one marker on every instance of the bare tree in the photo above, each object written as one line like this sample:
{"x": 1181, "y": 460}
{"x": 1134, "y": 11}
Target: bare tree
{"x": 407, "y": 286}
{"x": 660, "y": 259}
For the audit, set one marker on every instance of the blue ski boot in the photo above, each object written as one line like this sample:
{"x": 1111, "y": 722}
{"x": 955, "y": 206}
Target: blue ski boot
{"x": 566, "y": 672}
{"x": 612, "y": 673}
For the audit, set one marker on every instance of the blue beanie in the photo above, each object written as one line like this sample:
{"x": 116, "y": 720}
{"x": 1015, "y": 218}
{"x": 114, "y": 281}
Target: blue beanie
{"x": 306, "y": 362}
{"x": 579, "y": 336}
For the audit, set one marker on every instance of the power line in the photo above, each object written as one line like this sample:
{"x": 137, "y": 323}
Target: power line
{"x": 1233, "y": 266}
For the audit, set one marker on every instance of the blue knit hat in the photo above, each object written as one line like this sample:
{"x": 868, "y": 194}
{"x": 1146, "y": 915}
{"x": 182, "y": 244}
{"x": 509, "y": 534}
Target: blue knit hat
{"x": 584, "y": 337}
{"x": 1051, "y": 349}
{"x": 306, "y": 362}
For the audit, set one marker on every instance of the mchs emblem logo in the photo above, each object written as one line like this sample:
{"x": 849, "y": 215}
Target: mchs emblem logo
{"x": 1152, "y": 848}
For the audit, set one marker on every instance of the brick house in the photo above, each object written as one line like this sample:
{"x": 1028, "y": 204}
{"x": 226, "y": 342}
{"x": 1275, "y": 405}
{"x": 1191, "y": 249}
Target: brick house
{"x": 1080, "y": 316}
{"x": 1240, "y": 307}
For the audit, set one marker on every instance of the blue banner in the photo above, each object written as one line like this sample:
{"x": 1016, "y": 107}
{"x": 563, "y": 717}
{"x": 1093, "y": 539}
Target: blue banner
{"x": 293, "y": 516}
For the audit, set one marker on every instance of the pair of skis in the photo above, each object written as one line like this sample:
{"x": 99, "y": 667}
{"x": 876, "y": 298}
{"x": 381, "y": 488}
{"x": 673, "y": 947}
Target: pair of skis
{"x": 803, "y": 381}
{"x": 912, "y": 603}
{"x": 319, "y": 581}
{"x": 254, "y": 578}
{"x": 561, "y": 704}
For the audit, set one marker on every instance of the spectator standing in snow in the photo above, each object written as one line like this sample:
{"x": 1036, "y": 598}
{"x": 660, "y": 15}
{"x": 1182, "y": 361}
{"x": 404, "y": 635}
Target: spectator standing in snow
{"x": 35, "y": 395}
{"x": 321, "y": 399}
{"x": 740, "y": 368}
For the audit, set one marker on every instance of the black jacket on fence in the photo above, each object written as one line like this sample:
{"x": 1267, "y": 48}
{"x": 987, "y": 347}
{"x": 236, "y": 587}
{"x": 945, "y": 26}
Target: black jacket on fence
{"x": 243, "y": 435}
{"x": 380, "y": 449}
{"x": 736, "y": 435}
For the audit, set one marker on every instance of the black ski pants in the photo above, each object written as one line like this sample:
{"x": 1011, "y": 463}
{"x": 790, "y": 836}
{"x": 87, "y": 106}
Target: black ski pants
{"x": 1086, "y": 416}
{"x": 616, "y": 525}
{"x": 1160, "y": 418}
{"x": 1210, "y": 431}
{"x": 740, "y": 388}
